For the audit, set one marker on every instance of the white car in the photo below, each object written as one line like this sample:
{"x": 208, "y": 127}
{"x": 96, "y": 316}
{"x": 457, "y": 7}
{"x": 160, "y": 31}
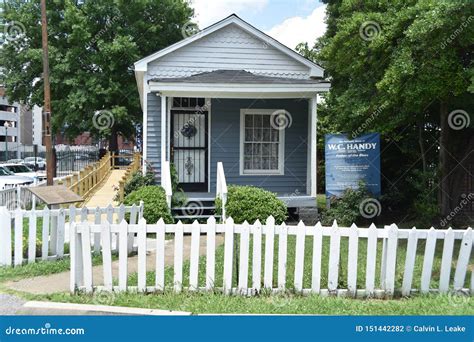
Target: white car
{"x": 8, "y": 180}
{"x": 23, "y": 170}
{"x": 30, "y": 162}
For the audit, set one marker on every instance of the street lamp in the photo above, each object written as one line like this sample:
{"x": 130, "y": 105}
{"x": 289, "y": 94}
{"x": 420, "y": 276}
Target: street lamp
{"x": 6, "y": 125}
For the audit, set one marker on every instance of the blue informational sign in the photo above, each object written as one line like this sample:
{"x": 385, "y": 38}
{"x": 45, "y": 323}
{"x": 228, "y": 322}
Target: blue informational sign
{"x": 350, "y": 161}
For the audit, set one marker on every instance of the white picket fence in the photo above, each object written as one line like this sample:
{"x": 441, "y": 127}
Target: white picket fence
{"x": 262, "y": 257}
{"x": 54, "y": 230}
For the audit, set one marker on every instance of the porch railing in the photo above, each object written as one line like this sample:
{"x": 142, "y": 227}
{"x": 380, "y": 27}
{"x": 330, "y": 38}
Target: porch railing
{"x": 131, "y": 169}
{"x": 221, "y": 187}
{"x": 166, "y": 181}
{"x": 86, "y": 180}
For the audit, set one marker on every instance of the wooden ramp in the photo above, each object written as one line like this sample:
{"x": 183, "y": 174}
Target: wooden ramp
{"x": 105, "y": 193}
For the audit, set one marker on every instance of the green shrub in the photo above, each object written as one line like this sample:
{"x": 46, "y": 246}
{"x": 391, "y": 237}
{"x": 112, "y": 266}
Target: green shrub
{"x": 154, "y": 199}
{"x": 347, "y": 209}
{"x": 179, "y": 197}
{"x": 425, "y": 209}
{"x": 137, "y": 181}
{"x": 249, "y": 203}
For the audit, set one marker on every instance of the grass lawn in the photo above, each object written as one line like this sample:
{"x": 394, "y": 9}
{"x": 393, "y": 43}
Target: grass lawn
{"x": 290, "y": 303}
{"x": 40, "y": 268}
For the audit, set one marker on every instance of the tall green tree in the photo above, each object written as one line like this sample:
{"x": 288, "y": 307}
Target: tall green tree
{"x": 92, "y": 47}
{"x": 401, "y": 67}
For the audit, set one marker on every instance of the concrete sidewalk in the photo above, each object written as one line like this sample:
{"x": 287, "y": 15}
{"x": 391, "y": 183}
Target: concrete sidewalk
{"x": 59, "y": 282}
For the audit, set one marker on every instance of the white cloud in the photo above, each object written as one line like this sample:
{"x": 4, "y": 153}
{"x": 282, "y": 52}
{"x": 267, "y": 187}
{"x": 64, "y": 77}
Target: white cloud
{"x": 208, "y": 12}
{"x": 295, "y": 30}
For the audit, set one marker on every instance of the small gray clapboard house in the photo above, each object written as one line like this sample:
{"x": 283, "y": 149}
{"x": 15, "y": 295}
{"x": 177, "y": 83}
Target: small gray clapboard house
{"x": 231, "y": 105}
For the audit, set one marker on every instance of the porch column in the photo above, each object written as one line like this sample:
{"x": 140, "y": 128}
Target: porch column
{"x": 313, "y": 142}
{"x": 163, "y": 132}
{"x": 146, "y": 90}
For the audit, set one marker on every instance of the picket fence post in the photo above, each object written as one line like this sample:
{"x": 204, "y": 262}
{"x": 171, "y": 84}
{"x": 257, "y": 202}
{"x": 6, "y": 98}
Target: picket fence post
{"x": 269, "y": 246}
{"x": 334, "y": 256}
{"x": 210, "y": 253}
{"x": 141, "y": 241}
{"x": 317, "y": 246}
{"x": 18, "y": 237}
{"x": 299, "y": 256}
{"x": 244, "y": 259}
{"x": 228, "y": 255}
{"x": 5, "y": 237}
{"x": 409, "y": 262}
{"x": 194, "y": 256}
{"x": 178, "y": 258}
{"x": 257, "y": 256}
{"x": 282, "y": 256}
{"x": 352, "y": 260}
{"x": 160, "y": 256}
{"x": 463, "y": 260}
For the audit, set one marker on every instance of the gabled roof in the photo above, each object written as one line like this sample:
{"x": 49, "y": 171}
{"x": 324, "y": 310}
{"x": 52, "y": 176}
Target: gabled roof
{"x": 235, "y": 76}
{"x": 315, "y": 70}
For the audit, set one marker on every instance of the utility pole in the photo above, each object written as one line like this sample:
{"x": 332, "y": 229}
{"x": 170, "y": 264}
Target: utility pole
{"x": 47, "y": 98}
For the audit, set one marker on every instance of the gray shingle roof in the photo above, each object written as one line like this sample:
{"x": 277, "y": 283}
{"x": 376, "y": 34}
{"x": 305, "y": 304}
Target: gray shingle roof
{"x": 236, "y": 77}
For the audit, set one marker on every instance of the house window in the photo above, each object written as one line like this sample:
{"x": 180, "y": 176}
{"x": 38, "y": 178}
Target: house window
{"x": 261, "y": 144}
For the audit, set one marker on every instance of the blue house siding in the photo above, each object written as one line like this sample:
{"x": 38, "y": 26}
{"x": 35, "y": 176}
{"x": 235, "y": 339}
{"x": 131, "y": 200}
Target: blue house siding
{"x": 154, "y": 133}
{"x": 225, "y": 144}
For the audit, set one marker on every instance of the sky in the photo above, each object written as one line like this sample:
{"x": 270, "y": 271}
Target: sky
{"x": 289, "y": 21}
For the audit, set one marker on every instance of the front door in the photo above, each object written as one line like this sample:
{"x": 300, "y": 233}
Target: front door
{"x": 189, "y": 148}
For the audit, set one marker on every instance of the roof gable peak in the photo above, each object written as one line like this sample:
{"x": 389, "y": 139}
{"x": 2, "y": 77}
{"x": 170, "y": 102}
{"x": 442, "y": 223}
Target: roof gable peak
{"x": 315, "y": 70}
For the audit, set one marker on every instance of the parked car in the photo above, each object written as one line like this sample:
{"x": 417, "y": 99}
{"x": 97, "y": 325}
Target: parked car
{"x": 30, "y": 162}
{"x": 15, "y": 161}
{"x": 121, "y": 161}
{"x": 23, "y": 170}
{"x": 8, "y": 180}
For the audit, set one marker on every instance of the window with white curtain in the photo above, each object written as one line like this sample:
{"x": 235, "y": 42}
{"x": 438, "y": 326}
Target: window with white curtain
{"x": 261, "y": 144}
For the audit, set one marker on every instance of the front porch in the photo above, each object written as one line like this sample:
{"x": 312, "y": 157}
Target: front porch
{"x": 237, "y": 132}
{"x": 262, "y": 129}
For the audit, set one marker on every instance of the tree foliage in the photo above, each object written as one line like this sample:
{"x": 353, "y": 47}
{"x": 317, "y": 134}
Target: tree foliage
{"x": 92, "y": 48}
{"x": 399, "y": 67}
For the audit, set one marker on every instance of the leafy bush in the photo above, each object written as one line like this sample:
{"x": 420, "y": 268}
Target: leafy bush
{"x": 154, "y": 199}
{"x": 347, "y": 209}
{"x": 248, "y": 203}
{"x": 137, "y": 181}
{"x": 179, "y": 197}
{"x": 425, "y": 207}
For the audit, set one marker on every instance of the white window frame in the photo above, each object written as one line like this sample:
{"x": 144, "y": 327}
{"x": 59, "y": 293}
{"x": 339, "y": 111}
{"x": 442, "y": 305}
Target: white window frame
{"x": 281, "y": 145}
